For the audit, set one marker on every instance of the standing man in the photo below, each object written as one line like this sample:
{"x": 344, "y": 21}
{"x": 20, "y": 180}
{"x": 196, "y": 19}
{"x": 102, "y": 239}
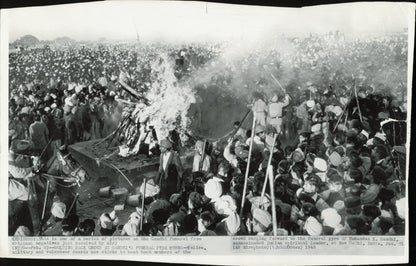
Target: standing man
{"x": 259, "y": 108}
{"x": 275, "y": 110}
{"x": 170, "y": 171}
{"x": 71, "y": 132}
{"x": 202, "y": 160}
{"x": 38, "y": 134}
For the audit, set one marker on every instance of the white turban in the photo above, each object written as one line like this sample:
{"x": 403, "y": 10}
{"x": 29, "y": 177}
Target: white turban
{"x": 320, "y": 164}
{"x": 365, "y": 133}
{"x": 17, "y": 191}
{"x": 131, "y": 229}
{"x": 233, "y": 223}
{"x": 256, "y": 202}
{"x": 68, "y": 101}
{"x": 380, "y": 136}
{"x": 312, "y": 226}
{"x": 330, "y": 217}
{"x": 78, "y": 88}
{"x": 108, "y": 221}
{"x": 337, "y": 110}
{"x": 263, "y": 217}
{"x": 213, "y": 189}
{"x": 335, "y": 159}
{"x": 58, "y": 209}
{"x": 225, "y": 205}
{"x": 135, "y": 218}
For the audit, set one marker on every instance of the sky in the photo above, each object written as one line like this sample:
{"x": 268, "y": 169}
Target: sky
{"x": 190, "y": 21}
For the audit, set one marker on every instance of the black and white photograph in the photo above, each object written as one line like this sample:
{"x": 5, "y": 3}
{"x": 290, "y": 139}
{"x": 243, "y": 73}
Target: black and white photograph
{"x": 199, "y": 120}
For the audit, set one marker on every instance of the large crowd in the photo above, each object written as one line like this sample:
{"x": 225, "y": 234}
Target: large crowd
{"x": 323, "y": 156}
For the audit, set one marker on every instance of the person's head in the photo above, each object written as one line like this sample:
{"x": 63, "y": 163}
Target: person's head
{"x": 303, "y": 198}
{"x": 309, "y": 209}
{"x": 354, "y": 160}
{"x": 262, "y": 220}
{"x": 189, "y": 224}
{"x": 223, "y": 169}
{"x": 258, "y": 182}
{"x": 311, "y": 184}
{"x": 386, "y": 196}
{"x": 379, "y": 152}
{"x": 339, "y": 138}
{"x": 370, "y": 212}
{"x": 36, "y": 117}
{"x": 381, "y": 226}
{"x": 160, "y": 217}
{"x": 165, "y": 145}
{"x": 356, "y": 175}
{"x": 283, "y": 167}
{"x": 86, "y": 228}
{"x": 352, "y": 205}
{"x": 334, "y": 180}
{"x": 312, "y": 226}
{"x": 397, "y": 229}
{"x": 260, "y": 131}
{"x": 45, "y": 119}
{"x": 378, "y": 175}
{"x": 195, "y": 201}
{"x": 330, "y": 217}
{"x": 176, "y": 201}
{"x": 205, "y": 221}
{"x": 357, "y": 225}
{"x": 279, "y": 187}
{"x": 69, "y": 224}
{"x": 148, "y": 229}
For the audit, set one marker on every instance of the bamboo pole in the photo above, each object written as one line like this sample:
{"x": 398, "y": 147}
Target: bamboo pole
{"x": 45, "y": 200}
{"x": 118, "y": 170}
{"x": 345, "y": 108}
{"x": 43, "y": 209}
{"x": 277, "y": 81}
{"x": 248, "y": 165}
{"x": 263, "y": 191}
{"x": 274, "y": 217}
{"x": 143, "y": 197}
{"x": 358, "y": 103}
{"x": 241, "y": 123}
{"x": 72, "y": 205}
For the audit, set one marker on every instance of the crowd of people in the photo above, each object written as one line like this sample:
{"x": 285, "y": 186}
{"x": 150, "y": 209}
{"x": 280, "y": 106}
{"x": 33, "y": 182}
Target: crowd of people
{"x": 341, "y": 173}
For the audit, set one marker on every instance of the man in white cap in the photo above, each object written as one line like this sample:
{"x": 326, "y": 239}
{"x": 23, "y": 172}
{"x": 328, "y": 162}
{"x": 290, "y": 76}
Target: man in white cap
{"x": 312, "y": 226}
{"x": 131, "y": 228}
{"x": 213, "y": 189}
{"x": 303, "y": 113}
{"x": 108, "y": 223}
{"x": 258, "y": 140}
{"x": 54, "y": 224}
{"x": 262, "y": 221}
{"x": 170, "y": 171}
{"x": 275, "y": 111}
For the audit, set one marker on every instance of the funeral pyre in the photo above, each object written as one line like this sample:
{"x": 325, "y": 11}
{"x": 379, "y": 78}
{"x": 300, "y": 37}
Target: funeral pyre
{"x": 156, "y": 113}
